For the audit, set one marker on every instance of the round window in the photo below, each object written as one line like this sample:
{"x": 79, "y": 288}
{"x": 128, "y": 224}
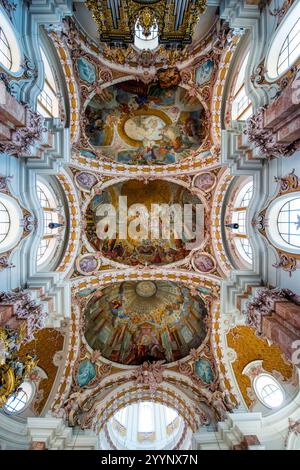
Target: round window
{"x": 20, "y": 399}
{"x": 268, "y": 391}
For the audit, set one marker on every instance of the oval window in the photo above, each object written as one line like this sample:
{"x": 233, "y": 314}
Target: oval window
{"x": 17, "y": 402}
{"x": 289, "y": 222}
{"x": 268, "y": 391}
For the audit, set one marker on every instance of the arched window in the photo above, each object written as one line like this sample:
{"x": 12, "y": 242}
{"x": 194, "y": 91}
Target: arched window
{"x": 5, "y": 51}
{"x": 290, "y": 49}
{"x": 121, "y": 415}
{"x": 171, "y": 415}
{"x": 239, "y": 213}
{"x": 283, "y": 227}
{"x": 141, "y": 41}
{"x": 10, "y": 54}
{"x": 285, "y": 47}
{"x": 17, "y": 402}
{"x": 289, "y": 222}
{"x": 241, "y": 104}
{"x": 4, "y": 222}
{"x": 48, "y": 103}
{"x": 145, "y": 424}
{"x": 51, "y": 237}
{"x": 11, "y": 217}
{"x": 146, "y": 417}
{"x": 268, "y": 390}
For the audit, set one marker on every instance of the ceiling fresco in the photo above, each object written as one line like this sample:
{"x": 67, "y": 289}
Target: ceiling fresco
{"x": 136, "y": 123}
{"x": 141, "y": 249}
{"x": 133, "y": 322}
{"x": 134, "y": 315}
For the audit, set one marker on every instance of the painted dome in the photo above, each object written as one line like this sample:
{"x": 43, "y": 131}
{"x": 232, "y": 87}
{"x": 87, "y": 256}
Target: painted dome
{"x": 139, "y": 124}
{"x": 132, "y": 242}
{"x": 133, "y": 322}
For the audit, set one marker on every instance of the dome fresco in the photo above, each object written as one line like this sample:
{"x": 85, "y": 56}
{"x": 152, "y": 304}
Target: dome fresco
{"x": 135, "y": 123}
{"x": 133, "y": 322}
{"x": 149, "y": 226}
{"x": 141, "y": 249}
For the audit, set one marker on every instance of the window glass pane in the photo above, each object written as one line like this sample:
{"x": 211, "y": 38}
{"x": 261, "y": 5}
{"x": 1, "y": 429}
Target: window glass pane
{"x": 241, "y": 104}
{"x": 4, "y": 222}
{"x": 18, "y": 401}
{"x": 121, "y": 415}
{"x": 48, "y": 104}
{"x": 247, "y": 248}
{"x": 171, "y": 415}
{"x": 244, "y": 248}
{"x": 241, "y": 75}
{"x": 146, "y": 418}
{"x": 5, "y": 51}
{"x": 50, "y": 240}
{"x": 146, "y": 42}
{"x": 268, "y": 391}
{"x": 242, "y": 221}
{"x": 247, "y": 196}
{"x": 289, "y": 222}
{"x": 290, "y": 49}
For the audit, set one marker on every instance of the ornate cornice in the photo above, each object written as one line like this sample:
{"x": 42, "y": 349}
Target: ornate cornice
{"x": 265, "y": 140}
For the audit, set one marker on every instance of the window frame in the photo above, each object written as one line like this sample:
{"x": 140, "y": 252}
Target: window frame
{"x": 50, "y": 214}
{"x": 276, "y": 43}
{"x": 239, "y": 88}
{"x": 48, "y": 98}
{"x": 12, "y": 39}
{"x": 16, "y": 217}
{"x": 29, "y": 392}
{"x": 272, "y": 232}
{"x": 5, "y": 42}
{"x": 152, "y": 42}
{"x": 6, "y": 211}
{"x": 286, "y": 46}
{"x": 240, "y": 237}
{"x": 289, "y": 234}
{"x": 273, "y": 381}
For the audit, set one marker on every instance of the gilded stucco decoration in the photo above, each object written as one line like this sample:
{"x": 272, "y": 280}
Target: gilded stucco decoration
{"x": 144, "y": 125}
{"x": 96, "y": 371}
{"x": 257, "y": 348}
{"x": 14, "y": 368}
{"x": 45, "y": 345}
{"x": 201, "y": 82}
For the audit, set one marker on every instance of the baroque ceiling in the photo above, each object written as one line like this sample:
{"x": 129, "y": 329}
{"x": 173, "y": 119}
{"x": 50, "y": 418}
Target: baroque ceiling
{"x": 146, "y": 128}
{"x": 145, "y": 312}
{"x": 136, "y": 123}
{"x": 142, "y": 321}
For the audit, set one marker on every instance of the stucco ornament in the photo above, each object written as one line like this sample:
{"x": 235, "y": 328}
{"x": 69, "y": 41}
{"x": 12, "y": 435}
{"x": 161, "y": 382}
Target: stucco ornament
{"x": 263, "y": 304}
{"x": 264, "y": 139}
{"x": 23, "y": 138}
{"x": 150, "y": 374}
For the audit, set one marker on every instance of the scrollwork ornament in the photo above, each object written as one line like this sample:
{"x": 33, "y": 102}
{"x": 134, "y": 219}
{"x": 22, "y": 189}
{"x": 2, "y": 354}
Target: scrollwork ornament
{"x": 287, "y": 183}
{"x": 287, "y": 263}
